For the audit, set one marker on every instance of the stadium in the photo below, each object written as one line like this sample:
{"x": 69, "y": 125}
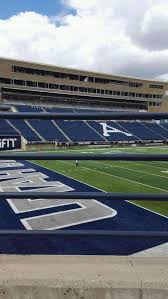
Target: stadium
{"x": 83, "y": 182}
{"x": 28, "y": 88}
{"x": 84, "y": 149}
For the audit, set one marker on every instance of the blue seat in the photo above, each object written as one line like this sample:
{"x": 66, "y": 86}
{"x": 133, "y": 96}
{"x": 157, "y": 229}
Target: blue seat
{"x": 157, "y": 129}
{"x": 25, "y": 130}
{"x": 79, "y": 131}
{"x": 48, "y": 130}
{"x": 82, "y": 131}
{"x": 140, "y": 130}
{"x": 6, "y": 129}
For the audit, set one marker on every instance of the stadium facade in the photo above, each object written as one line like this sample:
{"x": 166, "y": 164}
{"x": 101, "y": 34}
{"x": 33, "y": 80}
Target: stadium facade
{"x": 42, "y": 83}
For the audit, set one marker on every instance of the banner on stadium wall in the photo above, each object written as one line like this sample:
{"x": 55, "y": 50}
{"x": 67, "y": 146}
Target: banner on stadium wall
{"x": 10, "y": 142}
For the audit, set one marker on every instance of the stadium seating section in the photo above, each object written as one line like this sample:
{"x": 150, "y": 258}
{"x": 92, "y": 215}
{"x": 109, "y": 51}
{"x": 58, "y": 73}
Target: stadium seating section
{"x": 65, "y": 131}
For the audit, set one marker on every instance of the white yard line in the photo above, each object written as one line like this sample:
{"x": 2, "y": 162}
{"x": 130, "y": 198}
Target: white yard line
{"x": 116, "y": 176}
{"x": 147, "y": 165}
{"x": 111, "y": 166}
{"x": 162, "y": 162}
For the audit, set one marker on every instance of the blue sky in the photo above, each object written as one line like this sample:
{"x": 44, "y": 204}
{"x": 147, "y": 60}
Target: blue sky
{"x": 9, "y": 8}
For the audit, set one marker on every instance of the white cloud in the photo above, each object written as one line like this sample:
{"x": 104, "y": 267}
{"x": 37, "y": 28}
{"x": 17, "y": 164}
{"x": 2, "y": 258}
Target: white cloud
{"x": 153, "y": 28}
{"x": 126, "y": 37}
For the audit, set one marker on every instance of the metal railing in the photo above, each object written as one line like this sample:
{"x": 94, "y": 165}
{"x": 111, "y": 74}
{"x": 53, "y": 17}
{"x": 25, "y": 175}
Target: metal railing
{"x": 86, "y": 195}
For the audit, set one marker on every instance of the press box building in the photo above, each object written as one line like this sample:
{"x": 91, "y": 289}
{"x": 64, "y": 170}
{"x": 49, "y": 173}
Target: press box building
{"x": 42, "y": 83}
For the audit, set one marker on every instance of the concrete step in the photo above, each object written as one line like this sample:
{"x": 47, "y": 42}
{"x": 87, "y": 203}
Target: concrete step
{"x": 80, "y": 277}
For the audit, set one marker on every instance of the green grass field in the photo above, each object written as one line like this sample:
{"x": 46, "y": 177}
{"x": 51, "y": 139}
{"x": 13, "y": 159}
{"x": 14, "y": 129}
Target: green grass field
{"x": 119, "y": 176}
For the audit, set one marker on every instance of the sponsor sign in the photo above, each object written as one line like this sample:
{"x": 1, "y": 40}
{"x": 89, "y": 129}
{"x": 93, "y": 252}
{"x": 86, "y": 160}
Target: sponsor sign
{"x": 10, "y": 142}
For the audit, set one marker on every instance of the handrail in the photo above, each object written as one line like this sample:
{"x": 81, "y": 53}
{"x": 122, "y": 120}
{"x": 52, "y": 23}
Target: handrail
{"x": 86, "y": 195}
{"x": 85, "y": 116}
{"x": 99, "y": 157}
{"x": 86, "y": 233}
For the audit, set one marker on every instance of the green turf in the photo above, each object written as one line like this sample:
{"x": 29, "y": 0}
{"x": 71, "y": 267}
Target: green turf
{"x": 119, "y": 176}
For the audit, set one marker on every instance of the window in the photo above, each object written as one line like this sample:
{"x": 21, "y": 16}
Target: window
{"x": 64, "y": 87}
{"x": 139, "y": 95}
{"x": 19, "y": 82}
{"x": 5, "y": 81}
{"x": 156, "y": 86}
{"x": 82, "y": 89}
{"x": 42, "y": 85}
{"x": 53, "y": 86}
{"x": 31, "y": 83}
{"x": 47, "y": 73}
{"x": 73, "y": 88}
{"x": 82, "y": 78}
{"x": 92, "y": 90}
{"x": 91, "y": 79}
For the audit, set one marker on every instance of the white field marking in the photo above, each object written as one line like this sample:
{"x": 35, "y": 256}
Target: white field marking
{"x": 143, "y": 164}
{"x": 106, "y": 148}
{"x": 85, "y": 205}
{"x": 116, "y": 150}
{"x": 82, "y": 207}
{"x": 130, "y": 202}
{"x": 156, "y": 251}
{"x": 112, "y": 152}
{"x": 157, "y": 213}
{"x": 147, "y": 165}
{"x": 162, "y": 162}
{"x": 24, "y": 221}
{"x": 38, "y": 208}
{"x": 111, "y": 166}
{"x": 116, "y": 176}
{"x": 87, "y": 152}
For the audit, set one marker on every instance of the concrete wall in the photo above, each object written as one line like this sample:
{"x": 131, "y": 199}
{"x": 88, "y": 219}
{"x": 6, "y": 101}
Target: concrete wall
{"x": 40, "y": 146}
{"x": 83, "y": 277}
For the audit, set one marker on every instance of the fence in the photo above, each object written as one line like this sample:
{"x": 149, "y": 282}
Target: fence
{"x": 86, "y": 195}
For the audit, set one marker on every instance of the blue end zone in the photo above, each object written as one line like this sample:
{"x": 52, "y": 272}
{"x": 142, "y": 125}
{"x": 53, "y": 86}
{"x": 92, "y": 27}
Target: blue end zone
{"x": 129, "y": 217}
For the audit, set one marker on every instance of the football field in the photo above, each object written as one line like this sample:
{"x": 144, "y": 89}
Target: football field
{"x": 77, "y": 214}
{"x": 119, "y": 176}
